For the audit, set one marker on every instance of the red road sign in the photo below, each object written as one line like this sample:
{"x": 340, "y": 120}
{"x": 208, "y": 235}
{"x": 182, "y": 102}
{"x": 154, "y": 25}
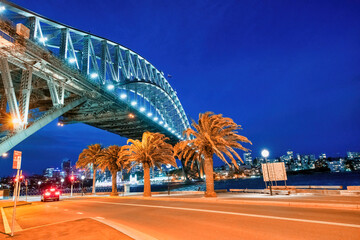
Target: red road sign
{"x": 17, "y": 160}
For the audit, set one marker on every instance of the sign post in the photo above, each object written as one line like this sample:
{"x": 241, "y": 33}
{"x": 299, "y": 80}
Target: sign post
{"x": 16, "y": 165}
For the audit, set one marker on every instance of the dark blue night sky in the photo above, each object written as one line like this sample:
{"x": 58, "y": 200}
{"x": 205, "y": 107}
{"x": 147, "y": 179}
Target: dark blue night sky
{"x": 287, "y": 71}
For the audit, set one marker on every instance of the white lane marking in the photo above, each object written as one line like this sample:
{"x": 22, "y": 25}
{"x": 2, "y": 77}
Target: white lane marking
{"x": 79, "y": 213}
{"x": 135, "y": 234}
{"x": 100, "y": 218}
{"x": 49, "y": 224}
{"x": 234, "y": 213}
{"x": 5, "y": 221}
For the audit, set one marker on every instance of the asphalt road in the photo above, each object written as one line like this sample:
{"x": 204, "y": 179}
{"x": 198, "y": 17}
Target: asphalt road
{"x": 187, "y": 220}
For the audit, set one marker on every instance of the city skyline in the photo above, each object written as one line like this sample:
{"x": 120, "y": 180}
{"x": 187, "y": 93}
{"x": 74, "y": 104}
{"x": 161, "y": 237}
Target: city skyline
{"x": 235, "y": 66}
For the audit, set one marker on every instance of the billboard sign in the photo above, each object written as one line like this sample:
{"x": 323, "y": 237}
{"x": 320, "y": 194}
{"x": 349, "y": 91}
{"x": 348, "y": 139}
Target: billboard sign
{"x": 274, "y": 171}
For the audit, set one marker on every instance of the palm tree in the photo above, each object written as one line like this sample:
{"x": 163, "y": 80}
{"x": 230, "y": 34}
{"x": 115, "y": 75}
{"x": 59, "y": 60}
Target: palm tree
{"x": 152, "y": 151}
{"x": 87, "y": 158}
{"x": 213, "y": 134}
{"x": 109, "y": 160}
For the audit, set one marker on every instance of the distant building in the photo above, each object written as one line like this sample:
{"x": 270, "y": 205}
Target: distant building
{"x": 322, "y": 156}
{"x": 353, "y": 155}
{"x": 48, "y": 172}
{"x": 66, "y": 166}
{"x": 248, "y": 158}
{"x": 56, "y": 173}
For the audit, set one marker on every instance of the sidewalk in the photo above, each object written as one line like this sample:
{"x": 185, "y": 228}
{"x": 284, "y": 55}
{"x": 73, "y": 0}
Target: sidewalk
{"x": 299, "y": 200}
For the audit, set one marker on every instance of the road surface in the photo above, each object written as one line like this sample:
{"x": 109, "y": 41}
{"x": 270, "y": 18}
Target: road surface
{"x": 196, "y": 220}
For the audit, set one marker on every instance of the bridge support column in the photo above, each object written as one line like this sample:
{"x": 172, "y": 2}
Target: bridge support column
{"x": 48, "y": 117}
{"x": 9, "y": 89}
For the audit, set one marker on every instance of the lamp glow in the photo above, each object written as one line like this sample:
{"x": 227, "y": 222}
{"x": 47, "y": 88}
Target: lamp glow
{"x": 156, "y": 118}
{"x": 2, "y": 8}
{"x": 110, "y": 87}
{"x": 4, "y": 154}
{"x": 94, "y": 75}
{"x": 123, "y": 96}
{"x": 133, "y": 103}
{"x": 142, "y": 109}
{"x": 43, "y": 39}
{"x": 72, "y": 60}
{"x": 265, "y": 153}
{"x": 161, "y": 122}
{"x": 149, "y": 114}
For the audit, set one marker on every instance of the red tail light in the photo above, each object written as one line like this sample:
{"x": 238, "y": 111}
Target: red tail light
{"x": 57, "y": 193}
{"x": 47, "y": 194}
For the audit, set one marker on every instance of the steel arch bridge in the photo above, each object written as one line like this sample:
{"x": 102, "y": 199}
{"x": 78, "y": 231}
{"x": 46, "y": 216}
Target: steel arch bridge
{"x": 62, "y": 72}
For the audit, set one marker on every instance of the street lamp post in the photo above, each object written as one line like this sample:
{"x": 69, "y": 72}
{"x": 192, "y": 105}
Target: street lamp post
{"x": 62, "y": 182}
{"x": 72, "y": 178}
{"x": 82, "y": 185}
{"x": 265, "y": 153}
{"x": 39, "y": 183}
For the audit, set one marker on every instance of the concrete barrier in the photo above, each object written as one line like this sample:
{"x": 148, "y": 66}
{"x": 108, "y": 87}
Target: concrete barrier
{"x": 353, "y": 188}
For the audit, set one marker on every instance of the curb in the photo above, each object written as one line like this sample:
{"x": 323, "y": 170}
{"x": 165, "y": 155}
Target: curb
{"x": 253, "y": 202}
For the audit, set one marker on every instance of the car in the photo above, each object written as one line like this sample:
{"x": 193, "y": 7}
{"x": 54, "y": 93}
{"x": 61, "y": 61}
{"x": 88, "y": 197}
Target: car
{"x": 50, "y": 194}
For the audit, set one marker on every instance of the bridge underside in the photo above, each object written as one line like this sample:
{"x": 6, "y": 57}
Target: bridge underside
{"x": 64, "y": 73}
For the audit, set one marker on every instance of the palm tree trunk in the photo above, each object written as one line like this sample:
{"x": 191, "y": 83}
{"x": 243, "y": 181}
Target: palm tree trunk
{"x": 94, "y": 179}
{"x": 114, "y": 185}
{"x": 209, "y": 169}
{"x": 147, "y": 184}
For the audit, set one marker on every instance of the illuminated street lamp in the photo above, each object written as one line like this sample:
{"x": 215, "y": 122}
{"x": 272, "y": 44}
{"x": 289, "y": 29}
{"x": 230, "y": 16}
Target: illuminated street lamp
{"x": 82, "y": 185}
{"x": 39, "y": 184}
{"x": 72, "y": 179}
{"x": 265, "y": 153}
{"x": 62, "y": 182}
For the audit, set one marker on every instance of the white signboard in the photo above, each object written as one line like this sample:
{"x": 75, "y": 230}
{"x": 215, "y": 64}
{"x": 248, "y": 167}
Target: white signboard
{"x": 274, "y": 171}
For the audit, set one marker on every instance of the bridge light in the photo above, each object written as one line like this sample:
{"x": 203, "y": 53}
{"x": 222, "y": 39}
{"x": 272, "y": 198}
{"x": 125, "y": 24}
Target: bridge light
{"x": 94, "y": 75}
{"x": 131, "y": 115}
{"x": 123, "y": 96}
{"x": 165, "y": 125}
{"x": 4, "y": 155}
{"x": 173, "y": 131}
{"x": 161, "y": 122}
{"x": 156, "y": 118}
{"x": 43, "y": 39}
{"x": 110, "y": 87}
{"x": 133, "y": 103}
{"x": 169, "y": 128}
{"x": 142, "y": 109}
{"x": 149, "y": 114}
{"x": 16, "y": 121}
{"x": 2, "y": 8}
{"x": 72, "y": 60}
